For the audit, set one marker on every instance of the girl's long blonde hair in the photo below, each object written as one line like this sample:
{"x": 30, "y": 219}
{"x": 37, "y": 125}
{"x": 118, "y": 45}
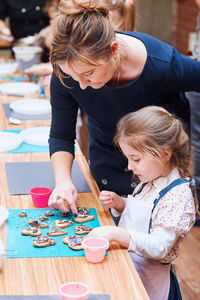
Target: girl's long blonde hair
{"x": 153, "y": 129}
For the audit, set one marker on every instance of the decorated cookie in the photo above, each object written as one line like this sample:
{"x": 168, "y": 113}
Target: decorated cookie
{"x": 33, "y": 231}
{"x": 43, "y": 241}
{"x": 33, "y": 222}
{"x": 56, "y": 231}
{"x": 43, "y": 218}
{"x": 63, "y": 223}
{"x": 22, "y": 214}
{"x": 83, "y": 218}
{"x": 49, "y": 213}
{"x": 43, "y": 225}
{"x": 83, "y": 210}
{"x": 74, "y": 242}
{"x": 65, "y": 214}
{"x": 82, "y": 229}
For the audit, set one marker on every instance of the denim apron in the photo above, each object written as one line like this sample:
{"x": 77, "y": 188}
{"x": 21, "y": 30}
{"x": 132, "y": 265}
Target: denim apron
{"x": 158, "y": 279}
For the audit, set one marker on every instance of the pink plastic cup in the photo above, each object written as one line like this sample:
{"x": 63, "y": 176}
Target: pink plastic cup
{"x": 74, "y": 291}
{"x": 95, "y": 249}
{"x": 40, "y": 196}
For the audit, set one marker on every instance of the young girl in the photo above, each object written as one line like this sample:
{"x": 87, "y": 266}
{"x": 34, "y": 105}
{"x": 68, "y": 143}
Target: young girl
{"x": 160, "y": 213}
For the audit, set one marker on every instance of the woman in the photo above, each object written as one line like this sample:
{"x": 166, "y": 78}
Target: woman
{"x": 109, "y": 75}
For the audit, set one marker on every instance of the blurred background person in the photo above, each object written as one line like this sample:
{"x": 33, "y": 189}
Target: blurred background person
{"x": 25, "y": 17}
{"x": 194, "y": 100}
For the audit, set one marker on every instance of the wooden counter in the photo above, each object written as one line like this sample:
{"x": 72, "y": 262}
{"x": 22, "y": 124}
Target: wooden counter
{"x": 115, "y": 276}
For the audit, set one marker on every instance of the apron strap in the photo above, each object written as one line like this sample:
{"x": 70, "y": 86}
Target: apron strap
{"x": 163, "y": 192}
{"x": 139, "y": 191}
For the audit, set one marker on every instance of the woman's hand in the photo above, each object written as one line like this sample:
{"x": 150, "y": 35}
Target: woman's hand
{"x": 63, "y": 197}
{"x": 111, "y": 200}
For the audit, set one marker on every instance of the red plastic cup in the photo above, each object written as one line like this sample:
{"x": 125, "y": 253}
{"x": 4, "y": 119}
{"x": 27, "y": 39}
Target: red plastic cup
{"x": 74, "y": 291}
{"x": 95, "y": 249}
{"x": 40, "y": 196}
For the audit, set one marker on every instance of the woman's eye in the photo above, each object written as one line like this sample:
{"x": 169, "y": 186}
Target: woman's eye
{"x": 89, "y": 73}
{"x": 136, "y": 160}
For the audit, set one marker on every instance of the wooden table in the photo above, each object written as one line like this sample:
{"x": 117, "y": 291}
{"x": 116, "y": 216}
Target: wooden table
{"x": 115, "y": 276}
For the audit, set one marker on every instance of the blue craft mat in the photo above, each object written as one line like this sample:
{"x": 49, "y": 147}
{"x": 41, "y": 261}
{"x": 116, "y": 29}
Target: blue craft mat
{"x": 28, "y": 148}
{"x": 23, "y": 244}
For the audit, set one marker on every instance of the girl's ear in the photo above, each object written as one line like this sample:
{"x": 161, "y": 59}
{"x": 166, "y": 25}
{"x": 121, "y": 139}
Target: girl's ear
{"x": 167, "y": 153}
{"x": 114, "y": 48}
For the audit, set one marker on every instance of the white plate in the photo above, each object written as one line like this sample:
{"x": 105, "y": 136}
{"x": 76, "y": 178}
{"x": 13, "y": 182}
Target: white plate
{"x": 8, "y": 68}
{"x": 9, "y": 141}
{"x": 36, "y": 135}
{"x": 3, "y": 214}
{"x": 31, "y": 106}
{"x": 18, "y": 88}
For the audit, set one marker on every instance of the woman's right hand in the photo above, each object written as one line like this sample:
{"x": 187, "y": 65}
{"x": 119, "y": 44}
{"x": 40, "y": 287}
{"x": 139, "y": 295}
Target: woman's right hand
{"x": 63, "y": 197}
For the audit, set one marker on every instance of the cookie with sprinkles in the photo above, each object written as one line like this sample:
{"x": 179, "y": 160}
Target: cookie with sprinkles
{"x": 43, "y": 218}
{"x": 63, "y": 223}
{"x": 83, "y": 218}
{"x": 22, "y": 214}
{"x": 82, "y": 229}
{"x": 83, "y": 210}
{"x": 43, "y": 241}
{"x": 33, "y": 222}
{"x": 56, "y": 231}
{"x": 43, "y": 225}
{"x": 33, "y": 231}
{"x": 49, "y": 213}
{"x": 74, "y": 242}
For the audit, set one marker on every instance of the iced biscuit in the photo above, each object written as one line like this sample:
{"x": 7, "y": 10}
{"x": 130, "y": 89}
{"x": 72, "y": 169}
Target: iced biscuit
{"x": 49, "y": 213}
{"x": 56, "y": 231}
{"x": 43, "y": 225}
{"x": 83, "y": 218}
{"x": 33, "y": 231}
{"x": 33, "y": 222}
{"x": 63, "y": 223}
{"x": 43, "y": 218}
{"x": 65, "y": 214}
{"x": 43, "y": 241}
{"x": 82, "y": 229}
{"x": 74, "y": 242}
{"x": 22, "y": 214}
{"x": 83, "y": 210}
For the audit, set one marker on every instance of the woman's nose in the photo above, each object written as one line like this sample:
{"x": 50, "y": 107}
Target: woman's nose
{"x": 83, "y": 83}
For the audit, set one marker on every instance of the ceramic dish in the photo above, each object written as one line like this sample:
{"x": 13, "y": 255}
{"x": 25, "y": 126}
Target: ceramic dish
{"x": 31, "y": 107}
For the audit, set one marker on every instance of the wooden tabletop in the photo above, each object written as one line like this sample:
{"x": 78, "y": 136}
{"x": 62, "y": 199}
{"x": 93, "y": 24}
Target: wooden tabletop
{"x": 115, "y": 276}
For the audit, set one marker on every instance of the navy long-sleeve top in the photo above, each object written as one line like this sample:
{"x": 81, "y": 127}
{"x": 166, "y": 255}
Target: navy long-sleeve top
{"x": 166, "y": 74}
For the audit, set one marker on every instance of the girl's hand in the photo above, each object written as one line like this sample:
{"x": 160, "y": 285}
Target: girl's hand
{"x": 111, "y": 200}
{"x": 63, "y": 197}
{"x": 106, "y": 232}
{"x": 112, "y": 233}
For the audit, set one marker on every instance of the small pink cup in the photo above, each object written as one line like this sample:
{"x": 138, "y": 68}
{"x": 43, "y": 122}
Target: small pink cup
{"x": 74, "y": 291}
{"x": 95, "y": 248}
{"x": 40, "y": 196}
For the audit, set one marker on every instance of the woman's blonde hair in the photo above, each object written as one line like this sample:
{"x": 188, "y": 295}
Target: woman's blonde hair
{"x": 126, "y": 12}
{"x": 153, "y": 129}
{"x": 82, "y": 31}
